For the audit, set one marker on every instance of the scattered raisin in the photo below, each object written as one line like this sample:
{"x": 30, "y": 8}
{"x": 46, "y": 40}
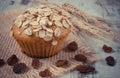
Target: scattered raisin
{"x": 12, "y": 2}
{"x": 80, "y": 57}
{"x": 2, "y": 62}
{"x": 107, "y": 49}
{"x": 61, "y": 63}
{"x": 72, "y": 46}
{"x": 85, "y": 69}
{"x": 110, "y": 61}
{"x": 45, "y": 73}
{"x": 12, "y": 60}
{"x": 35, "y": 63}
{"x": 20, "y": 68}
{"x": 25, "y": 2}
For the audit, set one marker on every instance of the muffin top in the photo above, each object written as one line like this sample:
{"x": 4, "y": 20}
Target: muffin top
{"x": 43, "y": 22}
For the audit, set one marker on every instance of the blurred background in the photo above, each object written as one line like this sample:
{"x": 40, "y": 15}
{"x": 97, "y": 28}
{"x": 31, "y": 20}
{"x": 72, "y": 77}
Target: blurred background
{"x": 104, "y": 8}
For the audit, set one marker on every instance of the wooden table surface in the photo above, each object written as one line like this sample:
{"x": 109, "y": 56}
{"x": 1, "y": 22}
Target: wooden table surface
{"x": 108, "y": 9}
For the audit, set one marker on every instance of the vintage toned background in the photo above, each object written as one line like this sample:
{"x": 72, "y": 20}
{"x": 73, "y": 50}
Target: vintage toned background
{"x": 108, "y": 9}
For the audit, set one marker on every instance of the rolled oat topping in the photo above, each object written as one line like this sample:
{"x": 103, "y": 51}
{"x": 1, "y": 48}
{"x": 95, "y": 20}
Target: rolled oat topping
{"x": 46, "y": 22}
{"x": 54, "y": 42}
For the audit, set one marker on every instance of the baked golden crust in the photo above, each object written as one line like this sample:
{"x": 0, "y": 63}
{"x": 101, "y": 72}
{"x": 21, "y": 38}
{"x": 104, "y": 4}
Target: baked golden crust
{"x": 38, "y": 47}
{"x": 43, "y": 39}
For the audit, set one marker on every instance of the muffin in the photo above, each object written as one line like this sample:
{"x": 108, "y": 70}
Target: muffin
{"x": 41, "y": 32}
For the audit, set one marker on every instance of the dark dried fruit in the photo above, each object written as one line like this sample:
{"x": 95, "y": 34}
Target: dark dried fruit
{"x": 20, "y": 68}
{"x": 45, "y": 73}
{"x": 85, "y": 69}
{"x": 72, "y": 46}
{"x": 25, "y": 2}
{"x": 107, "y": 49}
{"x": 2, "y": 62}
{"x": 12, "y": 2}
{"x": 80, "y": 57}
{"x": 12, "y": 60}
{"x": 110, "y": 61}
{"x": 35, "y": 63}
{"x": 61, "y": 63}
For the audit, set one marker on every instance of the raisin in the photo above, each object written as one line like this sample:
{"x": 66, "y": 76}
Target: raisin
{"x": 107, "y": 49}
{"x": 85, "y": 69}
{"x": 12, "y": 60}
{"x": 61, "y": 63}
{"x": 2, "y": 62}
{"x": 80, "y": 57}
{"x": 110, "y": 61}
{"x": 72, "y": 46}
{"x": 45, "y": 73}
{"x": 20, "y": 68}
{"x": 35, "y": 63}
{"x": 25, "y": 2}
{"x": 12, "y": 2}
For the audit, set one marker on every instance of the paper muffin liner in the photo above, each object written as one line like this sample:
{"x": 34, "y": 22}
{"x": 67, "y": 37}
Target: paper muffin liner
{"x": 40, "y": 49}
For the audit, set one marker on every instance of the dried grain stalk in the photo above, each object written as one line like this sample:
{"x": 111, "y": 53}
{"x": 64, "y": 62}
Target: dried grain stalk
{"x": 90, "y": 25}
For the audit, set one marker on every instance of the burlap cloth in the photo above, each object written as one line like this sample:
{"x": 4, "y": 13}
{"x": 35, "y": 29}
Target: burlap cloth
{"x": 8, "y": 46}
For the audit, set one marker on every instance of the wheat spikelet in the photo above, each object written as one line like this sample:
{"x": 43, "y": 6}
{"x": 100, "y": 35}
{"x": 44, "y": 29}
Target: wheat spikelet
{"x": 90, "y": 25}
